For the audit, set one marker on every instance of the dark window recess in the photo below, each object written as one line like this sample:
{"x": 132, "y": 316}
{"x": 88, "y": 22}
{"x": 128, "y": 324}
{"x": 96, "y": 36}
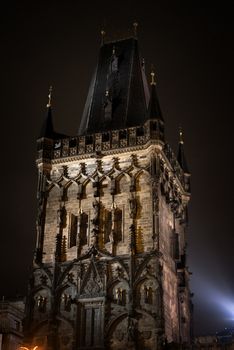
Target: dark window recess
{"x": 73, "y": 231}
{"x": 122, "y": 134}
{"x": 105, "y": 137}
{"x": 89, "y": 140}
{"x": 72, "y": 143}
{"x": 118, "y": 224}
{"x": 140, "y": 131}
{"x": 83, "y": 228}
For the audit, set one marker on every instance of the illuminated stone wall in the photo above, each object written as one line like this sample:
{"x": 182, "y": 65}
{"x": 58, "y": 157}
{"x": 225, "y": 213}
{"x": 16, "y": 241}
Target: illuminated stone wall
{"x": 109, "y": 270}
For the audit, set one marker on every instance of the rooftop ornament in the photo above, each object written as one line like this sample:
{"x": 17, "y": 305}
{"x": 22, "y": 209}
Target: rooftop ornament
{"x": 153, "y": 82}
{"x": 49, "y": 97}
{"x": 103, "y": 33}
{"x": 181, "y": 136}
{"x": 135, "y": 26}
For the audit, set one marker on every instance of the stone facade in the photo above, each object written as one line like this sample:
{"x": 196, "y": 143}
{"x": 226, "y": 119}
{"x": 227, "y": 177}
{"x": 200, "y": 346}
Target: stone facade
{"x": 110, "y": 264}
{"x": 11, "y": 328}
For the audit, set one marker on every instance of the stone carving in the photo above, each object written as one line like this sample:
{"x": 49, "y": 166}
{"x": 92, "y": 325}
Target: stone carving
{"x": 58, "y": 247}
{"x": 132, "y": 242}
{"x": 92, "y": 288}
{"x": 70, "y": 277}
{"x": 119, "y": 272}
{"x": 132, "y": 206}
{"x": 61, "y": 216}
{"x": 95, "y": 222}
{"x": 44, "y": 279}
{"x": 134, "y": 160}
{"x": 96, "y": 207}
{"x": 83, "y": 168}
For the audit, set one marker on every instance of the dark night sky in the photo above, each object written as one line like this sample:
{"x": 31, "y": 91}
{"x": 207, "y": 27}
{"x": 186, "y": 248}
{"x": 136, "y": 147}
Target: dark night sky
{"x": 192, "y": 48}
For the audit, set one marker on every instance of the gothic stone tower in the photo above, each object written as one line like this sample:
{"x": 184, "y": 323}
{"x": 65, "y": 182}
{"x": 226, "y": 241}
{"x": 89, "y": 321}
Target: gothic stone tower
{"x": 110, "y": 263}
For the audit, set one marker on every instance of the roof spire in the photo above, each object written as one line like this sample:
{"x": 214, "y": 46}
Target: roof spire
{"x": 154, "y": 110}
{"x": 103, "y": 33}
{"x": 181, "y": 140}
{"x": 153, "y": 82}
{"x": 47, "y": 129}
{"x": 135, "y": 27}
{"x": 181, "y": 156}
{"x": 49, "y": 97}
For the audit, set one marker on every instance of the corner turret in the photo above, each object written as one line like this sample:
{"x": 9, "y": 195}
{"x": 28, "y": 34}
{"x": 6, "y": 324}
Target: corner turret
{"x": 154, "y": 110}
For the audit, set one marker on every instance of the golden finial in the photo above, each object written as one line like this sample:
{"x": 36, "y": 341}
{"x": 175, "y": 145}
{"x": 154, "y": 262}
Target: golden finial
{"x": 153, "y": 82}
{"x": 181, "y": 136}
{"x": 135, "y": 26}
{"x": 49, "y": 97}
{"x": 103, "y": 33}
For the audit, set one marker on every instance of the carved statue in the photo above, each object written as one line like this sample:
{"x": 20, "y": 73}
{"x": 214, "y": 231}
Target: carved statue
{"x": 94, "y": 240}
{"x": 96, "y": 209}
{"x": 111, "y": 236}
{"x": 132, "y": 207}
{"x": 59, "y": 217}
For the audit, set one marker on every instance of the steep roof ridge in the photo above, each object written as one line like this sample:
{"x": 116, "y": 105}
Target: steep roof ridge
{"x": 130, "y": 78}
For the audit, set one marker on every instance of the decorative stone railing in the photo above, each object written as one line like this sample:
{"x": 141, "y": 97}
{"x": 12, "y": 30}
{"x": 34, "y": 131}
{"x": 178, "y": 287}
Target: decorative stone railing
{"x": 105, "y": 141}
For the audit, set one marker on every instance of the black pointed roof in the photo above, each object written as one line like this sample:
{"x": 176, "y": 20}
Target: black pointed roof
{"x": 181, "y": 158}
{"x": 47, "y": 129}
{"x": 118, "y": 95}
{"x": 154, "y": 110}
